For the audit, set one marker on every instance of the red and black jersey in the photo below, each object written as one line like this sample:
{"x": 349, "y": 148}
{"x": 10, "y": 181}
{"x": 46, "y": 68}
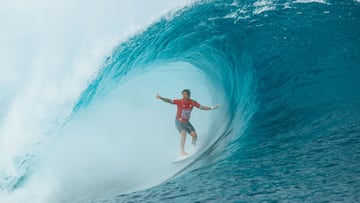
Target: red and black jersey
{"x": 184, "y": 108}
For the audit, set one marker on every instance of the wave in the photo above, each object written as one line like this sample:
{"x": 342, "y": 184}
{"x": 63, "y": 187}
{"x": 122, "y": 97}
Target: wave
{"x": 285, "y": 73}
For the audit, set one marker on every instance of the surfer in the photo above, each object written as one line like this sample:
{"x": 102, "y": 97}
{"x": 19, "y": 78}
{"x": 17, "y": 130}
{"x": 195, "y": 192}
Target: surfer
{"x": 184, "y": 108}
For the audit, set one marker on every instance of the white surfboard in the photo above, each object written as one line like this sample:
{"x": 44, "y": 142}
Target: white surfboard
{"x": 182, "y": 159}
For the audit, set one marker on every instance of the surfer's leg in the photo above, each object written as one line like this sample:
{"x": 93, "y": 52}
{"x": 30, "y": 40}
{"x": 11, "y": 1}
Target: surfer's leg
{"x": 191, "y": 130}
{"x": 194, "y": 137}
{"x": 183, "y": 137}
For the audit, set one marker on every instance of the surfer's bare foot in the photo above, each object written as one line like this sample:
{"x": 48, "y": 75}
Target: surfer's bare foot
{"x": 184, "y": 154}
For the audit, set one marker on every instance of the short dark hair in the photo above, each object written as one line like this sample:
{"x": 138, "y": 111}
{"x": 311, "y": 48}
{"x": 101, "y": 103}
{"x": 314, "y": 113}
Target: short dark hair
{"x": 187, "y": 91}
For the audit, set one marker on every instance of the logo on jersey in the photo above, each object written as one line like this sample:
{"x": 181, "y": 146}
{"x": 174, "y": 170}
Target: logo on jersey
{"x": 185, "y": 114}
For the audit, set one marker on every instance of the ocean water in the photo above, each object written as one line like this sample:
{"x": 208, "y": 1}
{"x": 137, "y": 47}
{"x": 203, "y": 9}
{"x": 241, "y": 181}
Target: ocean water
{"x": 79, "y": 120}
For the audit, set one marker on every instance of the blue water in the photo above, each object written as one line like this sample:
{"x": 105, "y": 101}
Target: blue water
{"x": 287, "y": 76}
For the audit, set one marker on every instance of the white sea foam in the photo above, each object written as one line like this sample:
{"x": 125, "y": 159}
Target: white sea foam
{"x": 262, "y": 6}
{"x": 311, "y": 1}
{"x": 49, "y": 52}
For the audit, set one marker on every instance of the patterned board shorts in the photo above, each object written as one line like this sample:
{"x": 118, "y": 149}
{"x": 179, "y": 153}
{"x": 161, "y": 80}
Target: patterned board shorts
{"x": 184, "y": 126}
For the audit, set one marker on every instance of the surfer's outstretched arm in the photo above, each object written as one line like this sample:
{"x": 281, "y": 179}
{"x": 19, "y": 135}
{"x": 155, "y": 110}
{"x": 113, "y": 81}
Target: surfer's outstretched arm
{"x": 164, "y": 99}
{"x": 210, "y": 107}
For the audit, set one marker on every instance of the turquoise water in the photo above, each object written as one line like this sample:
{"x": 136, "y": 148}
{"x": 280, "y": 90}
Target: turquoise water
{"x": 287, "y": 76}
{"x": 290, "y": 77}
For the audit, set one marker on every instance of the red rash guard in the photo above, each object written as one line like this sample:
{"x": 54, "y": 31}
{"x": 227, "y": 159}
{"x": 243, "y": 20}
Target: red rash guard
{"x": 184, "y": 108}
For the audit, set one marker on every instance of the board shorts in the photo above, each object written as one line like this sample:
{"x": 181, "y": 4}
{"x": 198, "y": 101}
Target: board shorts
{"x": 184, "y": 126}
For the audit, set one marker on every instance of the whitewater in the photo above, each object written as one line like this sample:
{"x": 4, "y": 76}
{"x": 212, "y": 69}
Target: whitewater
{"x": 80, "y": 122}
{"x": 62, "y": 46}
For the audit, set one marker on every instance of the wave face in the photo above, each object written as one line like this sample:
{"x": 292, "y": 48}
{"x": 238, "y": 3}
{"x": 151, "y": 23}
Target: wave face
{"x": 286, "y": 74}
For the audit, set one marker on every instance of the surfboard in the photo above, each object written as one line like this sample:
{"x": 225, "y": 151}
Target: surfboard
{"x": 182, "y": 159}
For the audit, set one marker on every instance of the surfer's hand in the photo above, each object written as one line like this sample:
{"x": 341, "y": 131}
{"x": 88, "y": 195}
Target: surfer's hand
{"x": 158, "y": 96}
{"x": 215, "y": 107}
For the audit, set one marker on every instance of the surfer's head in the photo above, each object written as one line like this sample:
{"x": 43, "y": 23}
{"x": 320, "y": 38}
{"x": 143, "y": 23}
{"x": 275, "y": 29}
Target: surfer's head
{"x": 186, "y": 93}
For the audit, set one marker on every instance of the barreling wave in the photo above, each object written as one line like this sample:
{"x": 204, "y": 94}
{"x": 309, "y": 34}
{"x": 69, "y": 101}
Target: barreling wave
{"x": 286, "y": 74}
